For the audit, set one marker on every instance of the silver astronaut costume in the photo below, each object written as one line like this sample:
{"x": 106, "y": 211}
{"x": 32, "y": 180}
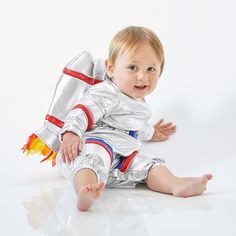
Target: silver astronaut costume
{"x": 111, "y": 125}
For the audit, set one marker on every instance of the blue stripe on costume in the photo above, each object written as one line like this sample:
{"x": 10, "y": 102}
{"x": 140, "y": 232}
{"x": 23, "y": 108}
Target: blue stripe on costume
{"x": 103, "y": 144}
{"x": 125, "y": 162}
{"x": 118, "y": 166}
{"x": 133, "y": 134}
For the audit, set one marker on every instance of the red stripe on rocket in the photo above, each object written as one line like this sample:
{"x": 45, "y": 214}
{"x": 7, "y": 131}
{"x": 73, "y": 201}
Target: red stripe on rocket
{"x": 78, "y": 75}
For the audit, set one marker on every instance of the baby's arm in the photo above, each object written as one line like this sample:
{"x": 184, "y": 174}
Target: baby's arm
{"x": 70, "y": 146}
{"x": 162, "y": 131}
{"x": 96, "y": 103}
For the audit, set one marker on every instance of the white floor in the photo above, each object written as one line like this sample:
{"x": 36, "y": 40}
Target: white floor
{"x": 197, "y": 92}
{"x": 36, "y": 200}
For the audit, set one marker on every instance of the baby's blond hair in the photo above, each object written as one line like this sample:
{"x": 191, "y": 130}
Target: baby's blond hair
{"x": 131, "y": 38}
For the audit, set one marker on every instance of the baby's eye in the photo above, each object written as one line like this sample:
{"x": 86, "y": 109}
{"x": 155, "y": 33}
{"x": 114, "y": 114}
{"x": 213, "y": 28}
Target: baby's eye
{"x": 133, "y": 67}
{"x": 151, "y": 69}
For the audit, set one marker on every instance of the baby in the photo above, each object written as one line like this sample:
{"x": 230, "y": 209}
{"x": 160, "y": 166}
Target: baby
{"x": 102, "y": 135}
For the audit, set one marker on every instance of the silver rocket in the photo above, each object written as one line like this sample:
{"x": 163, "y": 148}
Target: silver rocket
{"x": 78, "y": 75}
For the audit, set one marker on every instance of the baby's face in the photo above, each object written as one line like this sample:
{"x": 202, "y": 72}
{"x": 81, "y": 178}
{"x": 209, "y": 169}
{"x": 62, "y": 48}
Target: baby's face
{"x": 136, "y": 75}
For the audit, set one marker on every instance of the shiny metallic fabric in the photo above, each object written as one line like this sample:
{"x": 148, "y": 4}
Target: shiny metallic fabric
{"x": 119, "y": 112}
{"x": 114, "y": 116}
{"x": 136, "y": 173}
{"x": 79, "y": 74}
{"x": 93, "y": 157}
{"x": 96, "y": 159}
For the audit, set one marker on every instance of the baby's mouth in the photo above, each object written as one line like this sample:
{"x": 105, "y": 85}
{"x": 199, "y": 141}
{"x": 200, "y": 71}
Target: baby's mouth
{"x": 141, "y": 87}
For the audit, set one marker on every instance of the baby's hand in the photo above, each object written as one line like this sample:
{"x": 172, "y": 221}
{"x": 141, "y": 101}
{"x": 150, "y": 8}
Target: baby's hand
{"x": 163, "y": 131}
{"x": 70, "y": 146}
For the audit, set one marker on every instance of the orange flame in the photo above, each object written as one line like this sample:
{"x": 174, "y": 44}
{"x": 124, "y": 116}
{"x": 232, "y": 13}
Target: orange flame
{"x": 35, "y": 145}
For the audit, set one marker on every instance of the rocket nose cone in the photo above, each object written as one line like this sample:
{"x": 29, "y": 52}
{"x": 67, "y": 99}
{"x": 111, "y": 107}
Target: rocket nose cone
{"x": 99, "y": 69}
{"x": 82, "y": 63}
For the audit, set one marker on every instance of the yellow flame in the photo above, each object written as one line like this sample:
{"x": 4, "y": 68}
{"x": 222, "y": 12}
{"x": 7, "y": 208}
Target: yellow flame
{"x": 35, "y": 145}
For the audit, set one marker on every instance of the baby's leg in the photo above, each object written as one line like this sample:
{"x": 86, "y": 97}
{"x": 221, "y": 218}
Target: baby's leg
{"x": 87, "y": 188}
{"x": 90, "y": 170}
{"x": 160, "y": 179}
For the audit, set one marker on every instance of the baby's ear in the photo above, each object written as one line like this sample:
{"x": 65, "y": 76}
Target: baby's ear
{"x": 109, "y": 67}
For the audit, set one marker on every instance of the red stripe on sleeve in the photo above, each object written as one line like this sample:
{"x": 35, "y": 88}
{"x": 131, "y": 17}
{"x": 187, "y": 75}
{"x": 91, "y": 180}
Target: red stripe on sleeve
{"x": 87, "y": 113}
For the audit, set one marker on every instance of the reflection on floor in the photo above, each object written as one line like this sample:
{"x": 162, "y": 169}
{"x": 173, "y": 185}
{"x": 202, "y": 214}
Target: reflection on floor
{"x": 53, "y": 211}
{"x": 137, "y": 211}
{"x": 38, "y": 201}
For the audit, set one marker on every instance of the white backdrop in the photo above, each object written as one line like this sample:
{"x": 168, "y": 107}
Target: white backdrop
{"x": 196, "y": 91}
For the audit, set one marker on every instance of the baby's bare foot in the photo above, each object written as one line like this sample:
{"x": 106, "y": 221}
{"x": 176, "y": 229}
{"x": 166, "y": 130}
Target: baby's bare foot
{"x": 192, "y": 186}
{"x": 88, "y": 194}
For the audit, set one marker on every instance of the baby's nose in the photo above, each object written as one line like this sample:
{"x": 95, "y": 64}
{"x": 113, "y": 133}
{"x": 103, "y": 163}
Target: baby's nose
{"x": 142, "y": 76}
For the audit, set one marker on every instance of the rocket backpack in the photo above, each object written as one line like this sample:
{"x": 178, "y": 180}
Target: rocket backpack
{"x": 79, "y": 74}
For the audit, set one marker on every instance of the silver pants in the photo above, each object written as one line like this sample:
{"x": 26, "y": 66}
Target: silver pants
{"x": 97, "y": 159}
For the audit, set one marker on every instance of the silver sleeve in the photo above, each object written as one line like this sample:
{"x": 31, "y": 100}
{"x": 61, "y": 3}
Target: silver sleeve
{"x": 100, "y": 100}
{"x": 146, "y": 133}
{"x": 75, "y": 122}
